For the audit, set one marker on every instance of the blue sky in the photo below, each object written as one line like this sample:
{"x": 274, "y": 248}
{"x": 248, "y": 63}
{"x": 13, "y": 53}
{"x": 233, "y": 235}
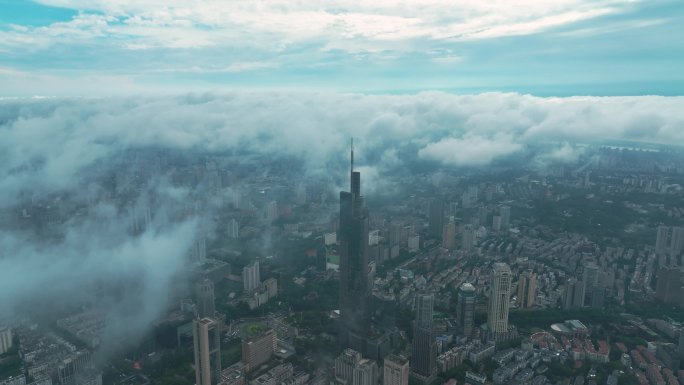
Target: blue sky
{"x": 560, "y": 47}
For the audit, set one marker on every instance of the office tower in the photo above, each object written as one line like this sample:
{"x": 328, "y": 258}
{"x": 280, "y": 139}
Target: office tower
{"x": 272, "y": 211}
{"x": 321, "y": 255}
{"x": 5, "y": 339}
{"x": 465, "y": 309}
{"x": 414, "y": 242}
{"x": 449, "y": 235}
{"x": 354, "y": 270}
{"x": 590, "y": 277}
{"x": 345, "y": 364}
{"x": 257, "y": 349}
{"x": 365, "y": 373}
{"x": 424, "y": 347}
{"x": 207, "y": 341}
{"x": 396, "y": 370}
{"x": 233, "y": 229}
{"x": 505, "y": 213}
{"x": 251, "y": 277}
{"x": 527, "y": 289}
{"x": 499, "y": 298}
{"x": 204, "y": 291}
{"x": 578, "y": 294}
{"x": 662, "y": 235}
{"x": 677, "y": 241}
{"x": 468, "y": 240}
{"x": 568, "y": 300}
{"x": 436, "y": 218}
{"x": 669, "y": 284}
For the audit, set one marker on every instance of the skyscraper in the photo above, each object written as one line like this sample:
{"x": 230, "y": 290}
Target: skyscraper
{"x": 527, "y": 289}
{"x": 449, "y": 234}
{"x": 204, "y": 291}
{"x": 505, "y": 213}
{"x": 207, "y": 347}
{"x": 590, "y": 276}
{"x": 468, "y": 240}
{"x": 354, "y": 269}
{"x": 345, "y": 364}
{"x": 669, "y": 284}
{"x": 395, "y": 371}
{"x": 499, "y": 298}
{"x": 257, "y": 349}
{"x": 466, "y": 309}
{"x": 251, "y": 277}
{"x": 436, "y": 218}
{"x": 662, "y": 236}
{"x": 424, "y": 347}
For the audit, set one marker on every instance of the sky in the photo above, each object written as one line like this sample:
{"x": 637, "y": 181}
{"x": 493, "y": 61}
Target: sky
{"x": 544, "y": 48}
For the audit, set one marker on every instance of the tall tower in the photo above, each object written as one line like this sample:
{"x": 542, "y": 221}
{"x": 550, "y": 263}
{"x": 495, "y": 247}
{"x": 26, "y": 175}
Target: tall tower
{"x": 354, "y": 270}
{"x": 207, "y": 341}
{"x": 499, "y": 299}
{"x": 527, "y": 289}
{"x": 677, "y": 241}
{"x": 449, "y": 235}
{"x": 436, "y": 218}
{"x": 205, "y": 299}
{"x": 466, "y": 309}
{"x": 505, "y": 214}
{"x": 424, "y": 347}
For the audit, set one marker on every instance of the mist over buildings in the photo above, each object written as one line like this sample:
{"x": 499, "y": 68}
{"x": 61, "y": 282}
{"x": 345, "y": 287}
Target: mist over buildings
{"x": 53, "y": 149}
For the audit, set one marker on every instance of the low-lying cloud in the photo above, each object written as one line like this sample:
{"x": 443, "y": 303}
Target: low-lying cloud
{"x": 55, "y": 146}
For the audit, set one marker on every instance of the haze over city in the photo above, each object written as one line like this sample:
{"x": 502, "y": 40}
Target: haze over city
{"x": 181, "y": 201}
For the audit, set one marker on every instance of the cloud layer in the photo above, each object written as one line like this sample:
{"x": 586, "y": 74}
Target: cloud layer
{"x": 56, "y": 147}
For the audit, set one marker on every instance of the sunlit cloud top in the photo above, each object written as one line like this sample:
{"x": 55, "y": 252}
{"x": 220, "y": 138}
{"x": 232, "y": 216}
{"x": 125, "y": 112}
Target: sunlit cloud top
{"x": 562, "y": 47}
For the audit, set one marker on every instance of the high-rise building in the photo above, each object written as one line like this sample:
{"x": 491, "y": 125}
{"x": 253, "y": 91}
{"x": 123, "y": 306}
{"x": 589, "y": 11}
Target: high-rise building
{"x": 436, "y": 217}
{"x": 669, "y": 284}
{"x": 568, "y": 299}
{"x": 5, "y": 339}
{"x": 449, "y": 235}
{"x": 578, "y": 295}
{"x": 396, "y": 370}
{"x": 468, "y": 239}
{"x": 251, "y": 277}
{"x": 207, "y": 347}
{"x": 354, "y": 270}
{"x": 204, "y": 290}
{"x": 677, "y": 241}
{"x": 590, "y": 277}
{"x": 424, "y": 347}
{"x": 233, "y": 229}
{"x": 465, "y": 309}
{"x": 662, "y": 236}
{"x": 499, "y": 298}
{"x": 257, "y": 349}
{"x": 199, "y": 250}
{"x": 365, "y": 373}
{"x": 505, "y": 213}
{"x": 527, "y": 289}
{"x": 345, "y": 364}
{"x": 272, "y": 211}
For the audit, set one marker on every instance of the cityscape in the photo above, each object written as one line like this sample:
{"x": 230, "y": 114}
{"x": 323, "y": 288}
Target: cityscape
{"x": 277, "y": 192}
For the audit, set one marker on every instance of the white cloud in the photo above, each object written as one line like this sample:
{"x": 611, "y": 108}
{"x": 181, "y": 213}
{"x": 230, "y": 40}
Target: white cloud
{"x": 355, "y": 26}
{"x": 469, "y": 151}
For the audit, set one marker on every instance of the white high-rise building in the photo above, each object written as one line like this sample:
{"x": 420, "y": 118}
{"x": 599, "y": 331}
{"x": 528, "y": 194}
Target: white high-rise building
{"x": 199, "y": 250}
{"x": 5, "y": 339}
{"x": 499, "y": 298}
{"x": 207, "y": 342}
{"x": 395, "y": 371}
{"x": 233, "y": 229}
{"x": 251, "y": 277}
